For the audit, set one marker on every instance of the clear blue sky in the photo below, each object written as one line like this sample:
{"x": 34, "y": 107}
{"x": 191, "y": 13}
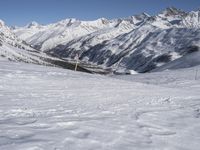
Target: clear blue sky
{"x": 21, "y": 12}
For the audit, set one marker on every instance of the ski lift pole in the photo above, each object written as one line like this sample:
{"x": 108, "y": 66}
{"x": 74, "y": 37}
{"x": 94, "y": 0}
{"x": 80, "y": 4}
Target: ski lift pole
{"x": 76, "y": 66}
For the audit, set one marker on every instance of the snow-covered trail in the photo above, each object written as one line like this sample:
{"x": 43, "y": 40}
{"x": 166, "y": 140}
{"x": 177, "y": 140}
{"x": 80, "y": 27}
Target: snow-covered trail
{"x": 45, "y": 108}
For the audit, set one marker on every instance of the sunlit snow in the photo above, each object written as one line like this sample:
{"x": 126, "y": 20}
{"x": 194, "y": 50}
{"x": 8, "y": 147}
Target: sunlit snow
{"x": 45, "y": 108}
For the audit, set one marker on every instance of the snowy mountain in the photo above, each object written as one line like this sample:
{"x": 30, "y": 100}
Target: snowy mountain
{"x": 140, "y": 43}
{"x": 14, "y": 49}
{"x": 49, "y": 36}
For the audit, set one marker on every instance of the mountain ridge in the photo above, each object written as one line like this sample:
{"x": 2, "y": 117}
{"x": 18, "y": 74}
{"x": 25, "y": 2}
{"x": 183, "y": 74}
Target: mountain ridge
{"x": 140, "y": 43}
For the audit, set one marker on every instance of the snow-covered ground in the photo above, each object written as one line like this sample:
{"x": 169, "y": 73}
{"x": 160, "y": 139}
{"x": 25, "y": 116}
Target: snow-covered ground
{"x": 181, "y": 78}
{"x": 46, "y": 108}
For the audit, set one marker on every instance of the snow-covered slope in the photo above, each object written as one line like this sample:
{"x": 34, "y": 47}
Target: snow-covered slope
{"x": 43, "y": 108}
{"x": 187, "y": 61}
{"x": 192, "y": 20}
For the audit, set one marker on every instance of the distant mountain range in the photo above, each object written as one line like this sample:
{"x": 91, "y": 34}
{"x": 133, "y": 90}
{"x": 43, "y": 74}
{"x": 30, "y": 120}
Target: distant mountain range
{"x": 142, "y": 43}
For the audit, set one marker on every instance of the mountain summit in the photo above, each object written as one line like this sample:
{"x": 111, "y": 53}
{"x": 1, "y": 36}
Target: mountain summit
{"x": 33, "y": 24}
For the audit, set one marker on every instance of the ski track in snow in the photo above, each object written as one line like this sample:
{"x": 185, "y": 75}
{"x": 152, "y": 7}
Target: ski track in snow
{"x": 44, "y": 108}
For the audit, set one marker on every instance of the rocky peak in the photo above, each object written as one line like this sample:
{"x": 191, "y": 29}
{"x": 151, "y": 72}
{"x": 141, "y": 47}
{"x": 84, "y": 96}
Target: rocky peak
{"x": 172, "y": 11}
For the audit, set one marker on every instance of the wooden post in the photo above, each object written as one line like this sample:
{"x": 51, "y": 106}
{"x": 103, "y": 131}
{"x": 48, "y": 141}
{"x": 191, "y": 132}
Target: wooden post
{"x": 77, "y": 58}
{"x": 196, "y": 74}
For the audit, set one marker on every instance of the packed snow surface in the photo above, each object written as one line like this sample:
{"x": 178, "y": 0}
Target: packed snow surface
{"x": 45, "y": 108}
